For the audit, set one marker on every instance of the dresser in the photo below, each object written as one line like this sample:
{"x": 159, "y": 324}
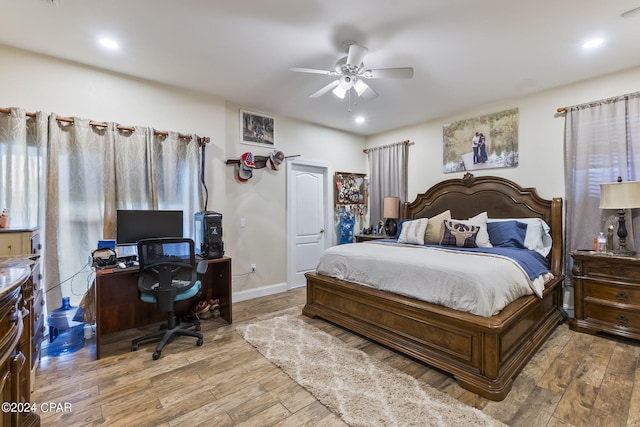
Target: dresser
{"x": 15, "y": 242}
{"x": 17, "y": 409}
{"x": 606, "y": 294}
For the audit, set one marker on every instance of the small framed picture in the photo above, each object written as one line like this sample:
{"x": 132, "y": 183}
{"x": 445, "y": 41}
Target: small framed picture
{"x": 350, "y": 188}
{"x": 256, "y": 129}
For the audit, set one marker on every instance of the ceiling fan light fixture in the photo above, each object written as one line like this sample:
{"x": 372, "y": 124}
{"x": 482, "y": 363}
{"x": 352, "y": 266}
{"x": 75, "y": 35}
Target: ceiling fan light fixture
{"x": 339, "y": 91}
{"x": 360, "y": 87}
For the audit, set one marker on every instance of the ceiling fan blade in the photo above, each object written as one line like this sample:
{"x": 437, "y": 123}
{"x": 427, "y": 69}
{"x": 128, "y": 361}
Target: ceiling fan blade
{"x": 356, "y": 55}
{"x": 311, "y": 70}
{"x": 325, "y": 89}
{"x": 389, "y": 73}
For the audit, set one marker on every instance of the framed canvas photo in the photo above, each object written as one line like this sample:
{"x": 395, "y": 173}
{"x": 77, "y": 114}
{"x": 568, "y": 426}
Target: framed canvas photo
{"x": 484, "y": 142}
{"x": 256, "y": 129}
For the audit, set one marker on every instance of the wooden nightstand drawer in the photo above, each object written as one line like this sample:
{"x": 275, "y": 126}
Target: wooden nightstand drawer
{"x": 609, "y": 292}
{"x": 606, "y": 294}
{"x": 603, "y": 268}
{"x": 612, "y": 315}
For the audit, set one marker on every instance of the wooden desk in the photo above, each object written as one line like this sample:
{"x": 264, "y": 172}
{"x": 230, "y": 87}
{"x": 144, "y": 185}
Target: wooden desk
{"x": 118, "y": 305}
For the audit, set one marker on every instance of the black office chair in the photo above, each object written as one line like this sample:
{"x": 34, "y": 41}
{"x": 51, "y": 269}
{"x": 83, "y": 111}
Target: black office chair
{"x": 168, "y": 273}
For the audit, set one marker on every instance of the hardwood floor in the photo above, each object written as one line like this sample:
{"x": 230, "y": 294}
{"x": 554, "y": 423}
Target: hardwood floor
{"x": 574, "y": 380}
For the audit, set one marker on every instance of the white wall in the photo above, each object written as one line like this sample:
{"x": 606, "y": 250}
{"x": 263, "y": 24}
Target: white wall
{"x": 541, "y": 137}
{"x": 36, "y": 82}
{"x": 261, "y": 201}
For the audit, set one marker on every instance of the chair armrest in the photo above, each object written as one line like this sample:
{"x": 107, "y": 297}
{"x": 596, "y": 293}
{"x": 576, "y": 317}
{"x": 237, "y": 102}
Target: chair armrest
{"x": 202, "y": 267}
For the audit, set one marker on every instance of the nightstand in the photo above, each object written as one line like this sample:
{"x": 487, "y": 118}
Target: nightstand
{"x": 606, "y": 294}
{"x": 367, "y": 237}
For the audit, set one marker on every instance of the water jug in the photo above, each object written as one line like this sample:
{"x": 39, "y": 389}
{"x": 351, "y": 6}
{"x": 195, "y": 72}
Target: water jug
{"x": 66, "y": 329}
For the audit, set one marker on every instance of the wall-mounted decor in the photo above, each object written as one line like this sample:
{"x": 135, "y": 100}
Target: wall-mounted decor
{"x": 484, "y": 142}
{"x": 350, "y": 188}
{"x": 257, "y": 129}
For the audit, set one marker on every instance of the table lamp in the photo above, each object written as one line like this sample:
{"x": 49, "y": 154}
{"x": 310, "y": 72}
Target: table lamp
{"x": 620, "y": 195}
{"x": 390, "y": 208}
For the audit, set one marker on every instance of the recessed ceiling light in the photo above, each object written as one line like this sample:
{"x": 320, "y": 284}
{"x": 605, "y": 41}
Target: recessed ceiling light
{"x": 108, "y": 43}
{"x": 359, "y": 120}
{"x": 590, "y": 44}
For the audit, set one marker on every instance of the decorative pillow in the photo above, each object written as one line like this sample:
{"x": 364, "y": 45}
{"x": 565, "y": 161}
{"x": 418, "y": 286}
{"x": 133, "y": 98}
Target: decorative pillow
{"x": 413, "y": 231}
{"x": 538, "y": 238}
{"x": 459, "y": 234}
{"x": 399, "y": 230}
{"x": 507, "y": 234}
{"x": 433, "y": 233}
{"x": 482, "y": 241}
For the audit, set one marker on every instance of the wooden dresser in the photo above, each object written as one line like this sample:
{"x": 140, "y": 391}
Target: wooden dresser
{"x": 26, "y": 242}
{"x": 606, "y": 294}
{"x": 15, "y": 348}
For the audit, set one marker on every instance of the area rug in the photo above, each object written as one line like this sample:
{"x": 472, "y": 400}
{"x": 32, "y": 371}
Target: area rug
{"x": 358, "y": 388}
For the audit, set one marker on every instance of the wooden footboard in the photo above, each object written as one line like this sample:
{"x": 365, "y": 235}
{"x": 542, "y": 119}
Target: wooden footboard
{"x": 483, "y": 354}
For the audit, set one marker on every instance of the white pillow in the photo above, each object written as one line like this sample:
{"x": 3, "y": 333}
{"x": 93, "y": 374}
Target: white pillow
{"x": 482, "y": 238}
{"x": 537, "y": 238}
{"x": 413, "y": 231}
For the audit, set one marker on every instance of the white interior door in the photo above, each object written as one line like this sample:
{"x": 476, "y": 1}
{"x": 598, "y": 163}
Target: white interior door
{"x": 307, "y": 194}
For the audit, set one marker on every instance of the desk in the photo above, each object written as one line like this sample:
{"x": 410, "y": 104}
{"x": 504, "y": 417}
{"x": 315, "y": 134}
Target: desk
{"x": 118, "y": 305}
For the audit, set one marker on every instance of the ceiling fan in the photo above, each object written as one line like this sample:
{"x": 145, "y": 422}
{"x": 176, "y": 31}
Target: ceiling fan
{"x": 352, "y": 74}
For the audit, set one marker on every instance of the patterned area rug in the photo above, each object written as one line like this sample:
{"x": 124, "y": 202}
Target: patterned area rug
{"x": 360, "y": 389}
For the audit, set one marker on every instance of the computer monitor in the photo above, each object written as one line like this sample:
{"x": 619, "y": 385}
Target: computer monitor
{"x": 135, "y": 225}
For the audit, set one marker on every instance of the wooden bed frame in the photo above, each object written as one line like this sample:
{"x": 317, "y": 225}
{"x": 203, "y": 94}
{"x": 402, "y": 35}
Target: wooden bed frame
{"x": 483, "y": 354}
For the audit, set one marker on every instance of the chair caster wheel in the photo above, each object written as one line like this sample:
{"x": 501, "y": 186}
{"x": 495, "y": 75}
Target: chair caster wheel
{"x": 198, "y": 327}
{"x": 156, "y": 355}
{"x": 134, "y": 347}
{"x": 199, "y": 342}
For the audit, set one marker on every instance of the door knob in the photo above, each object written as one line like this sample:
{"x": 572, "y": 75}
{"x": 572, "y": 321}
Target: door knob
{"x": 322, "y": 231}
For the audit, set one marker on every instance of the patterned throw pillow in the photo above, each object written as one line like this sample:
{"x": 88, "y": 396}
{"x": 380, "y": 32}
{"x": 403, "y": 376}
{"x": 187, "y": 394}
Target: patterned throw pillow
{"x": 459, "y": 234}
{"x": 413, "y": 231}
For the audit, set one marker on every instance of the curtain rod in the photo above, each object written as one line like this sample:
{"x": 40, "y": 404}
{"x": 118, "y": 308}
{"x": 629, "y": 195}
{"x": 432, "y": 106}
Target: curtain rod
{"x": 201, "y": 140}
{"x": 601, "y": 101}
{"x": 406, "y": 142}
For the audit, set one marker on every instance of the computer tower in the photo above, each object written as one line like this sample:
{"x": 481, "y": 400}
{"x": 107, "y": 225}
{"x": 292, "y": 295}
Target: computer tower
{"x": 208, "y": 234}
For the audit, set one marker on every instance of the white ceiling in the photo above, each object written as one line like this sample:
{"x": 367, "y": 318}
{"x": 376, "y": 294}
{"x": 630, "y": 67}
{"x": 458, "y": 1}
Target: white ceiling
{"x": 464, "y": 52}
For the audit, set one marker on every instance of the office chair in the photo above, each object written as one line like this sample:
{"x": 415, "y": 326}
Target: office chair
{"x": 168, "y": 273}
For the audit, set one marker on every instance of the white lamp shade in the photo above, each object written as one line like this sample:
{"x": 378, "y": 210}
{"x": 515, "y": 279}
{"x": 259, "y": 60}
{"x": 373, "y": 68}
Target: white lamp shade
{"x": 391, "y": 207}
{"x": 339, "y": 92}
{"x": 360, "y": 87}
{"x": 620, "y": 195}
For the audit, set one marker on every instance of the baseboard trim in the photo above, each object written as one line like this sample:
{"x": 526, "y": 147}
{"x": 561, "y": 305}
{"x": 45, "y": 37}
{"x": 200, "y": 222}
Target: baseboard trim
{"x": 260, "y": 292}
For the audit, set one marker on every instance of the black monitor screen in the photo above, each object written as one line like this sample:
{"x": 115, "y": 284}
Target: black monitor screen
{"x": 134, "y": 225}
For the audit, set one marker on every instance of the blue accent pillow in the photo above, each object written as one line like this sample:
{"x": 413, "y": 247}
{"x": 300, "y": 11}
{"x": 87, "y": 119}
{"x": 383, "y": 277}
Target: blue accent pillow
{"x": 507, "y": 234}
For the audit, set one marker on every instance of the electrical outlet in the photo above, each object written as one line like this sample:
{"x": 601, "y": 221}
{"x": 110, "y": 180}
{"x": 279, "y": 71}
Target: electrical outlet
{"x": 253, "y": 268}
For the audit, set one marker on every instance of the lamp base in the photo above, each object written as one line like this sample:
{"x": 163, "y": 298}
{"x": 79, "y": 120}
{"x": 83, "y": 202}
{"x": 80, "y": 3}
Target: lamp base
{"x": 390, "y": 227}
{"x": 623, "y": 252}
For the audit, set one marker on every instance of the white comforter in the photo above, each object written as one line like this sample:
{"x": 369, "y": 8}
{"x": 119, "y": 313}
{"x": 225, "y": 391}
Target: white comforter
{"x": 477, "y": 283}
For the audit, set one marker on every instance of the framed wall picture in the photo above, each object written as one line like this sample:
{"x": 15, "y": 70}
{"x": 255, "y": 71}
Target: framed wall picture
{"x": 483, "y": 142}
{"x": 350, "y": 188}
{"x": 256, "y": 129}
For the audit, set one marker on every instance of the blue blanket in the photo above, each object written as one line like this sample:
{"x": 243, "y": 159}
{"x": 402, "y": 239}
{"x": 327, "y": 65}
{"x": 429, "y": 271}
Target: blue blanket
{"x": 531, "y": 262}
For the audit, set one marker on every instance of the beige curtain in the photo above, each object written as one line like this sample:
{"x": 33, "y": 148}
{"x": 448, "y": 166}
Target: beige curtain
{"x": 602, "y": 143}
{"x": 22, "y": 153}
{"x": 387, "y": 177}
{"x": 93, "y": 172}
